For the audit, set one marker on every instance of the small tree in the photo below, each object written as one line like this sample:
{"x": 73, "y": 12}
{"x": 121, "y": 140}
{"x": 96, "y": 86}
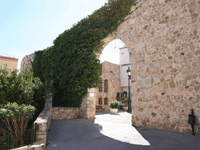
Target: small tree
{"x": 16, "y": 98}
{"x": 17, "y": 88}
{"x": 16, "y": 118}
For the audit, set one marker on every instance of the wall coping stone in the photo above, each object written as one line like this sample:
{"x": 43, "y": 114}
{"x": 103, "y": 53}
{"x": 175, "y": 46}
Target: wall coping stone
{"x": 43, "y": 121}
{"x": 60, "y": 113}
{"x": 35, "y": 146}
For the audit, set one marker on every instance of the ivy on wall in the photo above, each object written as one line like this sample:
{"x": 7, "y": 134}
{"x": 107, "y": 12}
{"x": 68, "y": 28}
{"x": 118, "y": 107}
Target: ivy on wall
{"x": 72, "y": 58}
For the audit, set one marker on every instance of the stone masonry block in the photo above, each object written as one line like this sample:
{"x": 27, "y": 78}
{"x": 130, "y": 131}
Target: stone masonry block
{"x": 42, "y": 127}
{"x": 91, "y": 95}
{"x": 90, "y": 98}
{"x": 92, "y": 90}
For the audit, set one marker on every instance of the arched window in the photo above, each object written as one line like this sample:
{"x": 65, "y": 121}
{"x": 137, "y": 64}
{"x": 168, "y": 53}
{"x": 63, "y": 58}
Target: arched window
{"x": 105, "y": 85}
{"x": 100, "y": 101}
{"x": 106, "y": 101}
{"x": 100, "y": 86}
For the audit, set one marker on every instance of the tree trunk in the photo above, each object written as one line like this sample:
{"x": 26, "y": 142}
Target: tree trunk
{"x": 22, "y": 130}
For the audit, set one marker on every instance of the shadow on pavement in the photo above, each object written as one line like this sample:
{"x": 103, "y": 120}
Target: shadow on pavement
{"x": 82, "y": 134}
{"x": 163, "y": 139}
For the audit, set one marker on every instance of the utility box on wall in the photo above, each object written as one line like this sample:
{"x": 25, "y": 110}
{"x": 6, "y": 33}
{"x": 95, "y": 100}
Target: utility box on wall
{"x": 145, "y": 82}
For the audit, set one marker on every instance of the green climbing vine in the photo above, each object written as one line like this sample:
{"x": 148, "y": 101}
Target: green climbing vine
{"x": 72, "y": 58}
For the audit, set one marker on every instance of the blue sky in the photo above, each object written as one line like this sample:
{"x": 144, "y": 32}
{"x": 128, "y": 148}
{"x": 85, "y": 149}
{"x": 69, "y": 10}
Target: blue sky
{"x": 28, "y": 26}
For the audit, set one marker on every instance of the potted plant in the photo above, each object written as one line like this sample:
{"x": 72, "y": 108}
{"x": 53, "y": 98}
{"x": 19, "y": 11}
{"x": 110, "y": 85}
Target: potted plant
{"x": 125, "y": 103}
{"x": 125, "y": 106}
{"x": 114, "y": 105}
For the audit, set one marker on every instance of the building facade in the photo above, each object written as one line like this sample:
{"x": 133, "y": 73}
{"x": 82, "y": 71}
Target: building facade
{"x": 10, "y": 61}
{"x": 114, "y": 82}
{"x": 109, "y": 86}
{"x": 125, "y": 62}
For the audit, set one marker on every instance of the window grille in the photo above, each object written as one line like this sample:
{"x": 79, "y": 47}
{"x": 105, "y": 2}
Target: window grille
{"x": 100, "y": 86}
{"x": 100, "y": 101}
{"x": 106, "y": 101}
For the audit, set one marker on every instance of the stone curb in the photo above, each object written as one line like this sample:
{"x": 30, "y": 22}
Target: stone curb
{"x": 35, "y": 146}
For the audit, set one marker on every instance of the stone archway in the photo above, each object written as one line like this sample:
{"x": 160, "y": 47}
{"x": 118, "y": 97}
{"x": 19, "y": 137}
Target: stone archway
{"x": 163, "y": 38}
{"x": 119, "y": 34}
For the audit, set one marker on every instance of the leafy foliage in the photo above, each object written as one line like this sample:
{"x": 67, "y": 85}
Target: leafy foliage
{"x": 72, "y": 58}
{"x": 16, "y": 118}
{"x": 123, "y": 99}
{"x": 17, "y": 88}
{"x": 39, "y": 98}
{"x": 114, "y": 104}
{"x": 11, "y": 110}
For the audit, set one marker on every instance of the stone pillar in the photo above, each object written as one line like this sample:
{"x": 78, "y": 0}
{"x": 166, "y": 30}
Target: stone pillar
{"x": 87, "y": 109}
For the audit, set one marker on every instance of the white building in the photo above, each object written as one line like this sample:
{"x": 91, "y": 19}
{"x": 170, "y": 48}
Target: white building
{"x": 125, "y": 62}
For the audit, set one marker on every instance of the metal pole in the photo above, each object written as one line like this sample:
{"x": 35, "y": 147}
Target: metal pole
{"x": 129, "y": 97}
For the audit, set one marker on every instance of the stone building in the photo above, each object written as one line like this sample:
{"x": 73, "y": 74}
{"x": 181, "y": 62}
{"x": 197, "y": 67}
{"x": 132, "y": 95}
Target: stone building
{"x": 109, "y": 87}
{"x": 10, "y": 61}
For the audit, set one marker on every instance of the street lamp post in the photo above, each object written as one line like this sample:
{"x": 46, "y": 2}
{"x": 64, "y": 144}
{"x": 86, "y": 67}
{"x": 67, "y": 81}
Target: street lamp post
{"x": 129, "y": 92}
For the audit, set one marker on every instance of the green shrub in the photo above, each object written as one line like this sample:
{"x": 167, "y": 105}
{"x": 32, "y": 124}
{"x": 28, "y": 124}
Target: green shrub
{"x": 4, "y": 141}
{"x": 114, "y": 104}
{"x": 39, "y": 98}
{"x": 17, "y": 88}
{"x": 16, "y": 118}
{"x": 23, "y": 88}
{"x": 123, "y": 99}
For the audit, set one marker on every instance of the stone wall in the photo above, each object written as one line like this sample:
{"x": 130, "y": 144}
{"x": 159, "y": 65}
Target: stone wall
{"x": 163, "y": 38}
{"x": 26, "y": 62}
{"x": 59, "y": 113}
{"x": 43, "y": 121}
{"x": 86, "y": 110}
{"x": 110, "y": 72}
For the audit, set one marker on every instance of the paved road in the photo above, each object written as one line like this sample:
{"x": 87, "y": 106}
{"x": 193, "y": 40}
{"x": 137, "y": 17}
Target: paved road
{"x": 114, "y": 132}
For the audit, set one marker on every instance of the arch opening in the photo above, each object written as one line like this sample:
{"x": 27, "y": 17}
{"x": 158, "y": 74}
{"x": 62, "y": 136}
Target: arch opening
{"x": 115, "y": 61}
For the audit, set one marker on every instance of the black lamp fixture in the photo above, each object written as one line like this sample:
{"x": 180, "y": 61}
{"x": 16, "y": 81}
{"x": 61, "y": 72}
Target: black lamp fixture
{"x": 129, "y": 92}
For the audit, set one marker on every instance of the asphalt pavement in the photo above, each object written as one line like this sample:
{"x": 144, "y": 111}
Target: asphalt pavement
{"x": 114, "y": 132}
